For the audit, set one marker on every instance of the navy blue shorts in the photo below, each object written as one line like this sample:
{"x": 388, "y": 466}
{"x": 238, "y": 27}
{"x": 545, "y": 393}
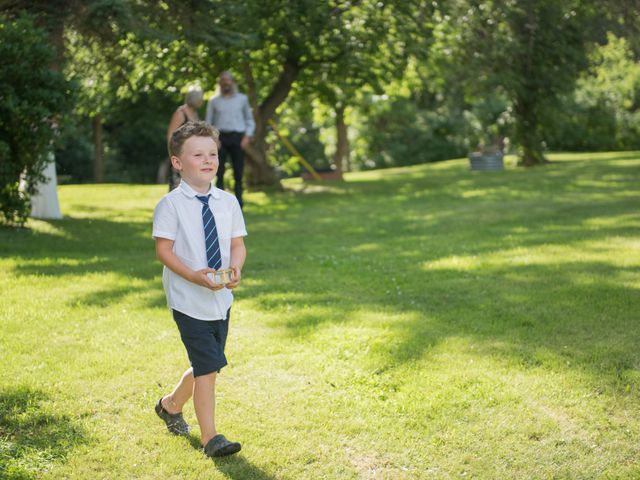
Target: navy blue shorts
{"x": 204, "y": 341}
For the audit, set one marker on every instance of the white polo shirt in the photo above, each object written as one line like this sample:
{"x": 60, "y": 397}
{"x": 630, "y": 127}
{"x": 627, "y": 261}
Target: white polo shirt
{"x": 178, "y": 217}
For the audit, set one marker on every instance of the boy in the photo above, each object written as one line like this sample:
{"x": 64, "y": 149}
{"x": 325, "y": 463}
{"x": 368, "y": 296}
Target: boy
{"x": 198, "y": 229}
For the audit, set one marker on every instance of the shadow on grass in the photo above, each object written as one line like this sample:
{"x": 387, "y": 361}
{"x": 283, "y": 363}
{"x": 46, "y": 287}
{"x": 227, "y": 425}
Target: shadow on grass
{"x": 454, "y": 180}
{"x": 576, "y": 314}
{"x": 80, "y": 246}
{"x": 236, "y": 467}
{"x": 527, "y": 313}
{"x": 31, "y": 438}
{"x": 368, "y": 250}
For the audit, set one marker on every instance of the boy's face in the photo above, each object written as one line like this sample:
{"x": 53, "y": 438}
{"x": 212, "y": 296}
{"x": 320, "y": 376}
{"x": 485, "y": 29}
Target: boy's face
{"x": 198, "y": 161}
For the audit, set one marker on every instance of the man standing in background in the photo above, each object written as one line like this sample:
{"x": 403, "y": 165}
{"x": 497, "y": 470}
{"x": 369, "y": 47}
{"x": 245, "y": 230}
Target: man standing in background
{"x": 229, "y": 111}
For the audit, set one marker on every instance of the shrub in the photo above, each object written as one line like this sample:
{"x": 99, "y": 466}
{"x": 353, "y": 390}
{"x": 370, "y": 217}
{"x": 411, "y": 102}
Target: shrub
{"x": 30, "y": 95}
{"x": 397, "y": 132}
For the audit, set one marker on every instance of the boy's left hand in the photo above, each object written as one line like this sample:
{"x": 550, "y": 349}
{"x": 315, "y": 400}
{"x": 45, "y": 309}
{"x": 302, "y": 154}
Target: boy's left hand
{"x": 236, "y": 278}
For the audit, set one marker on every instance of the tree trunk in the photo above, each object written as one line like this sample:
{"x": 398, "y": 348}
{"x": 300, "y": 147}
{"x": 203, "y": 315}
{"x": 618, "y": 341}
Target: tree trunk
{"x": 531, "y": 157}
{"x": 347, "y": 159}
{"x": 527, "y": 135}
{"x": 341, "y": 157}
{"x": 260, "y": 172}
{"x": 98, "y": 159}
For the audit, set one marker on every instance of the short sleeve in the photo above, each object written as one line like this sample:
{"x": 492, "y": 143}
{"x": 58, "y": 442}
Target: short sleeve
{"x": 165, "y": 220}
{"x": 238, "y": 228}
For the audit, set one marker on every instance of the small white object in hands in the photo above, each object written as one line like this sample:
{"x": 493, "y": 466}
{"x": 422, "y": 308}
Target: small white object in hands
{"x": 221, "y": 277}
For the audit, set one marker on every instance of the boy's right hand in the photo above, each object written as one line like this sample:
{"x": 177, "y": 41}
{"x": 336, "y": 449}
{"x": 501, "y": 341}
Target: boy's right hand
{"x": 201, "y": 278}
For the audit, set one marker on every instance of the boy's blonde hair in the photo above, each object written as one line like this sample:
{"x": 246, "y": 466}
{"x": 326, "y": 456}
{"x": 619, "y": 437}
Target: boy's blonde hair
{"x": 188, "y": 130}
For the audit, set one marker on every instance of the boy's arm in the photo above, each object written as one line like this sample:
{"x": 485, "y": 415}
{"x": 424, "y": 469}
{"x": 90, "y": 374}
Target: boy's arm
{"x": 238, "y": 256}
{"x": 164, "y": 252}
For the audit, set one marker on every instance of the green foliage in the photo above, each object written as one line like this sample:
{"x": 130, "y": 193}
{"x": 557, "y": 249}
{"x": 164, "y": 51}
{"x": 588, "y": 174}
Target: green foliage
{"x": 530, "y": 50}
{"x": 369, "y": 52}
{"x": 134, "y": 139}
{"x": 447, "y": 77}
{"x": 325, "y": 50}
{"x": 134, "y": 85}
{"x": 372, "y": 54}
{"x": 422, "y": 122}
{"x": 297, "y": 122}
{"x": 74, "y": 150}
{"x": 31, "y": 94}
{"x": 398, "y": 132}
{"x": 136, "y": 135}
{"x": 603, "y": 113}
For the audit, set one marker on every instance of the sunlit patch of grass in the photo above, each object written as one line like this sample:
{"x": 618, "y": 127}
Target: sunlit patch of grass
{"x": 612, "y": 252}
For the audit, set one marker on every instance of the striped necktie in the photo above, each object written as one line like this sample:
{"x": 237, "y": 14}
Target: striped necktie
{"x": 214, "y": 260}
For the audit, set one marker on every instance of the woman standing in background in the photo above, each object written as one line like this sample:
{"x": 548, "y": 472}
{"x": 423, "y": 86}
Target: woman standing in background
{"x": 183, "y": 114}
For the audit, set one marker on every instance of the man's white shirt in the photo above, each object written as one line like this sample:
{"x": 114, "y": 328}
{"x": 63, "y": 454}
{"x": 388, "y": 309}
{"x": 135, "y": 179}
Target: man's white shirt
{"x": 178, "y": 217}
{"x": 231, "y": 114}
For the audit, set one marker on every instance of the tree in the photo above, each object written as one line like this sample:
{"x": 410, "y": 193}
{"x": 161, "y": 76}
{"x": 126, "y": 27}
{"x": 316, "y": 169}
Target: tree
{"x": 374, "y": 53}
{"x": 603, "y": 112}
{"x": 102, "y": 37}
{"x": 622, "y": 19}
{"x": 112, "y": 77}
{"x": 293, "y": 37}
{"x": 290, "y": 41}
{"x": 31, "y": 95}
{"x": 99, "y": 19}
{"x": 532, "y": 50}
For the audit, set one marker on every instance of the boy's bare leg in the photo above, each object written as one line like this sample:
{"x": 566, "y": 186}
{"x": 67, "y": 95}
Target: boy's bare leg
{"x": 174, "y": 402}
{"x": 204, "y": 404}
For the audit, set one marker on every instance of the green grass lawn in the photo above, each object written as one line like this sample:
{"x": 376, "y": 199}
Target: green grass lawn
{"x": 424, "y": 322}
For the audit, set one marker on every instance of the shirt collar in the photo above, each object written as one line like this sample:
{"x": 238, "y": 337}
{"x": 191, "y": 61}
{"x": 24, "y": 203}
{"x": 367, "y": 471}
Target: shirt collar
{"x": 187, "y": 190}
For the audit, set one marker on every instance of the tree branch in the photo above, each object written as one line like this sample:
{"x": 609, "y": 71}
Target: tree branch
{"x": 281, "y": 89}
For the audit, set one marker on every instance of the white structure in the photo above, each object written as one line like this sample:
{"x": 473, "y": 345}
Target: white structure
{"x": 44, "y": 204}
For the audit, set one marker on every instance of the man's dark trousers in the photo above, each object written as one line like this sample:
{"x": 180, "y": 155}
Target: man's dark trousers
{"x": 230, "y": 147}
